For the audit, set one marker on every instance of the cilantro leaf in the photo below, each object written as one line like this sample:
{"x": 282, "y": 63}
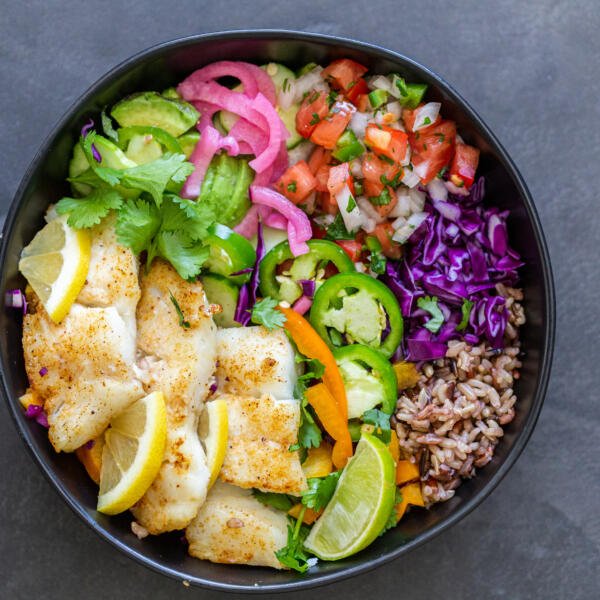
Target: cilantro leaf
{"x": 351, "y": 204}
{"x": 378, "y": 263}
{"x": 381, "y": 422}
{"x": 293, "y": 554}
{"x": 430, "y": 304}
{"x": 278, "y": 501}
{"x": 320, "y": 490}
{"x": 137, "y": 223}
{"x": 309, "y": 434}
{"x": 314, "y": 368}
{"x": 264, "y": 313}
{"x": 184, "y": 253}
{"x": 89, "y": 211}
{"x": 393, "y": 518}
{"x": 154, "y": 176}
{"x": 106, "y": 174}
{"x": 466, "y": 308}
{"x": 383, "y": 199}
{"x": 108, "y": 128}
{"x": 337, "y": 230}
{"x": 182, "y": 322}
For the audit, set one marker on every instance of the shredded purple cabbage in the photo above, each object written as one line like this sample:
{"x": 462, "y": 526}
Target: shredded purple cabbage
{"x": 84, "y": 131}
{"x": 37, "y": 413}
{"x": 248, "y": 292}
{"x": 243, "y": 271}
{"x": 16, "y": 299}
{"x": 308, "y": 287}
{"x": 459, "y": 253}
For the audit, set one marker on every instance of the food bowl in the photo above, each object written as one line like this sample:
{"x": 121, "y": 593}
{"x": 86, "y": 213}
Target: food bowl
{"x": 165, "y": 65}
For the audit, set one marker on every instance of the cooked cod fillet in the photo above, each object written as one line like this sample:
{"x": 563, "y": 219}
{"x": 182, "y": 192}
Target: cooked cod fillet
{"x": 83, "y": 367}
{"x": 179, "y": 361}
{"x": 261, "y": 431}
{"x": 234, "y": 527}
{"x": 253, "y": 361}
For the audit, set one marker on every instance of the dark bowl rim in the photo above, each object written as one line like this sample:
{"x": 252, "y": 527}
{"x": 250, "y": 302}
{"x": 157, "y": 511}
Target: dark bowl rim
{"x": 549, "y": 325}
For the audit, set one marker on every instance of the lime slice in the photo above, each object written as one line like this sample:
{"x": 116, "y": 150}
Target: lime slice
{"x": 360, "y": 506}
{"x": 55, "y": 264}
{"x": 214, "y": 425}
{"x": 134, "y": 446}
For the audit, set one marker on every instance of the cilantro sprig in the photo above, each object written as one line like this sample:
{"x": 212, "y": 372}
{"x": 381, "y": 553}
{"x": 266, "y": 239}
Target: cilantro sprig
{"x": 293, "y": 554}
{"x": 381, "y": 423}
{"x": 466, "y": 308}
{"x": 430, "y": 304}
{"x": 320, "y": 490}
{"x": 264, "y": 313}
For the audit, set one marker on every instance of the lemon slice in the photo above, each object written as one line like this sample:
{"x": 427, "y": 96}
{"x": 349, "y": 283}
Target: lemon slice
{"x": 361, "y": 504}
{"x": 214, "y": 426}
{"x": 56, "y": 264}
{"x": 134, "y": 446}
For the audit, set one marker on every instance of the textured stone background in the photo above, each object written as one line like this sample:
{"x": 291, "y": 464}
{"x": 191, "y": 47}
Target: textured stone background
{"x": 531, "y": 71}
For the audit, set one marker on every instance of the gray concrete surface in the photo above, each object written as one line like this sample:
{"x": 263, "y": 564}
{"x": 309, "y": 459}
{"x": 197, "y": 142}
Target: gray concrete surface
{"x": 531, "y": 70}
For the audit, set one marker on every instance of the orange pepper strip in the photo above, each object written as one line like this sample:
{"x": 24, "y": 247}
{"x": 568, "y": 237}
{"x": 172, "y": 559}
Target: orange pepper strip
{"x": 310, "y": 344}
{"x": 406, "y": 471}
{"x": 318, "y": 461}
{"x": 91, "y": 458}
{"x": 310, "y": 515}
{"x": 321, "y": 399}
{"x": 411, "y": 494}
{"x": 394, "y": 447}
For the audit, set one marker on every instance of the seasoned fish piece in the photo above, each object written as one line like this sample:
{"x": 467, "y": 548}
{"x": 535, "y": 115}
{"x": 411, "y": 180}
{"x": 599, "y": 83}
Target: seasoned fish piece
{"x": 261, "y": 431}
{"x": 82, "y": 368}
{"x": 234, "y": 527}
{"x": 179, "y": 361}
{"x": 254, "y": 361}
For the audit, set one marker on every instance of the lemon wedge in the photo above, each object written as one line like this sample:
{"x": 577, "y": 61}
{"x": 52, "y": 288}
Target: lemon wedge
{"x": 134, "y": 446}
{"x": 214, "y": 426}
{"x": 56, "y": 264}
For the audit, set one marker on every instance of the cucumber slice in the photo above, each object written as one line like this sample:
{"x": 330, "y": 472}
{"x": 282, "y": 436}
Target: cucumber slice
{"x": 143, "y": 150}
{"x": 289, "y": 120}
{"x": 279, "y": 74}
{"x": 219, "y": 290}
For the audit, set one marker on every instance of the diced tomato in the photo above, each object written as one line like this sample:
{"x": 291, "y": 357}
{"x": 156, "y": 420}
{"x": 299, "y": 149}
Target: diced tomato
{"x": 360, "y": 88}
{"x": 464, "y": 164}
{"x": 409, "y": 116}
{"x": 318, "y": 158}
{"x": 352, "y": 248}
{"x": 328, "y": 131}
{"x": 384, "y": 232}
{"x": 344, "y": 73}
{"x": 387, "y": 141}
{"x": 385, "y": 209}
{"x": 322, "y": 177}
{"x": 327, "y": 203}
{"x": 373, "y": 168}
{"x": 433, "y": 148}
{"x": 362, "y": 102}
{"x": 318, "y": 232}
{"x": 339, "y": 176}
{"x": 297, "y": 182}
{"x": 313, "y": 109}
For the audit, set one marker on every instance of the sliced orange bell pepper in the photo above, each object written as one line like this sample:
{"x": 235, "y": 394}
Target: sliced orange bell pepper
{"x": 394, "y": 447}
{"x": 411, "y": 494}
{"x": 310, "y": 515}
{"x": 406, "y": 471}
{"x": 406, "y": 375}
{"x": 310, "y": 344}
{"x": 318, "y": 461}
{"x": 321, "y": 399}
{"x": 91, "y": 458}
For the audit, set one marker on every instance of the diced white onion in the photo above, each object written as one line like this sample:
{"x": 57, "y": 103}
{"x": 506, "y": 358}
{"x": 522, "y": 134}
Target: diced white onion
{"x": 286, "y": 96}
{"x": 369, "y": 210}
{"x": 324, "y": 220}
{"x": 358, "y": 124}
{"x": 380, "y": 83}
{"x": 410, "y": 178}
{"x": 301, "y": 152}
{"x": 353, "y": 219}
{"x": 408, "y": 227}
{"x": 356, "y": 169}
{"x": 454, "y": 189}
{"x": 395, "y": 108}
{"x": 417, "y": 200}
{"x": 403, "y": 206}
{"x": 426, "y": 115}
{"x": 360, "y": 267}
{"x": 437, "y": 190}
{"x": 406, "y": 160}
{"x": 308, "y": 82}
{"x": 421, "y": 169}
{"x": 395, "y": 91}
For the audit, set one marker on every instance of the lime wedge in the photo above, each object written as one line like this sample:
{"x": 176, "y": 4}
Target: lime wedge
{"x": 360, "y": 506}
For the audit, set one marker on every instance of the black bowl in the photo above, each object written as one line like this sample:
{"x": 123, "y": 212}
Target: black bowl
{"x": 165, "y": 65}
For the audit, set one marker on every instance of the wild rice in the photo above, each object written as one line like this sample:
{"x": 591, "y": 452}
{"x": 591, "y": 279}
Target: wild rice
{"x": 450, "y": 422}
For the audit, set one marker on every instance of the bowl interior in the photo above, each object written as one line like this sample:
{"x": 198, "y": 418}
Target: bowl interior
{"x": 164, "y": 66}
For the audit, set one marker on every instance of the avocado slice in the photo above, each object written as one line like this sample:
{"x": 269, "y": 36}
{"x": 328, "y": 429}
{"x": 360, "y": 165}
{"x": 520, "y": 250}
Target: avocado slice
{"x": 152, "y": 109}
{"x": 224, "y": 194}
{"x": 188, "y": 142}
